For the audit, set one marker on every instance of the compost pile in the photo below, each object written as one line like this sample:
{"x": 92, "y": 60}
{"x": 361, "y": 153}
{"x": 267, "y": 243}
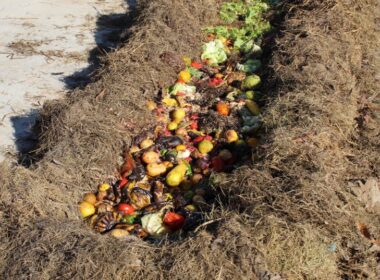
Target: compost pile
{"x": 207, "y": 122}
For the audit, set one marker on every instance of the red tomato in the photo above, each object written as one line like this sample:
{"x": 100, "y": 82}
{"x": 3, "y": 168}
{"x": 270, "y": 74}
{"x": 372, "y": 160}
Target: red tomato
{"x": 125, "y": 208}
{"x": 217, "y": 164}
{"x": 198, "y": 139}
{"x": 196, "y": 65}
{"x": 194, "y": 125}
{"x": 174, "y": 221}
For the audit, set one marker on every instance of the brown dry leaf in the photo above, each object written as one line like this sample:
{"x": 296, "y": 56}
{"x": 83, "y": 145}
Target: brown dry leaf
{"x": 369, "y": 193}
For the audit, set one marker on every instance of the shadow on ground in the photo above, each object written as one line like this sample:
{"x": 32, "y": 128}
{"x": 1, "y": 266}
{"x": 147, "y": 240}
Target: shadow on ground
{"x": 111, "y": 31}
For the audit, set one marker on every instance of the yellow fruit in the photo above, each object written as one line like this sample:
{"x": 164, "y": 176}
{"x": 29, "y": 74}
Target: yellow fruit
{"x": 178, "y": 115}
{"x": 86, "y": 209}
{"x": 171, "y": 102}
{"x": 174, "y": 179}
{"x": 155, "y": 169}
{"x": 176, "y": 175}
{"x": 180, "y": 148}
{"x": 205, "y": 146}
{"x": 150, "y": 157}
{"x": 104, "y": 187}
{"x": 90, "y": 198}
{"x": 172, "y": 126}
{"x": 146, "y": 143}
{"x": 253, "y": 107}
{"x": 134, "y": 149}
{"x": 185, "y": 76}
{"x": 231, "y": 136}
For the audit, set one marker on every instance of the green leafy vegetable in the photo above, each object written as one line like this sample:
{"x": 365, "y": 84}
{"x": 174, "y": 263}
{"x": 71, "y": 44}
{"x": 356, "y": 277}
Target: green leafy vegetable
{"x": 252, "y": 24}
{"x": 214, "y": 51}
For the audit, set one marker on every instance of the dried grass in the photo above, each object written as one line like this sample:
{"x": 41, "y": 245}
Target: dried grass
{"x": 279, "y": 215}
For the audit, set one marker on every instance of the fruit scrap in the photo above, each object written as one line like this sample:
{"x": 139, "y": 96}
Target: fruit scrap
{"x": 196, "y": 65}
{"x": 231, "y": 136}
{"x": 185, "y": 76}
{"x": 174, "y": 221}
{"x": 86, "y": 209}
{"x": 222, "y": 108}
{"x": 164, "y": 178}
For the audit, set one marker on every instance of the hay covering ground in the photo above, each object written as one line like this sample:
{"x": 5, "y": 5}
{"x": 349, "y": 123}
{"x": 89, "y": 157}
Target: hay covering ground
{"x": 284, "y": 214}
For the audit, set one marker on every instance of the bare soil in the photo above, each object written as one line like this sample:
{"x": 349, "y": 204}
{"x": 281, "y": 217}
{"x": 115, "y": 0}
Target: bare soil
{"x": 292, "y": 214}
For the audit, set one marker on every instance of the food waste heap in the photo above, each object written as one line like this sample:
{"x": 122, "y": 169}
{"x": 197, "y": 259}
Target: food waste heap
{"x": 207, "y": 122}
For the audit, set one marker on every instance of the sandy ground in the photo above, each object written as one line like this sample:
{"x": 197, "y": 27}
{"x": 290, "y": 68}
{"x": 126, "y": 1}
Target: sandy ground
{"x": 41, "y": 43}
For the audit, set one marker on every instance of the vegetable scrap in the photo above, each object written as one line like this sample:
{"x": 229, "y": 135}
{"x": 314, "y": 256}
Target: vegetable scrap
{"x": 207, "y": 122}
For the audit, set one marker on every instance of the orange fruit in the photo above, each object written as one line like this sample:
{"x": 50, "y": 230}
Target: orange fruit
{"x": 185, "y": 76}
{"x": 222, "y": 108}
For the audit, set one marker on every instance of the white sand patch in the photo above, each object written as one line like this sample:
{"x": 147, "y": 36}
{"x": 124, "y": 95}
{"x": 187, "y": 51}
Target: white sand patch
{"x": 41, "y": 42}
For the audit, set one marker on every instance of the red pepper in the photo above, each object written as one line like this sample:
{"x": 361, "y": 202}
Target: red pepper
{"x": 123, "y": 182}
{"x": 180, "y": 93}
{"x": 214, "y": 82}
{"x": 196, "y": 65}
{"x": 194, "y": 125}
{"x": 125, "y": 208}
{"x": 174, "y": 221}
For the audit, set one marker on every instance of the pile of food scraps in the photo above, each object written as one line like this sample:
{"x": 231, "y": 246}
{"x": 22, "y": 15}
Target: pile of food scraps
{"x": 207, "y": 122}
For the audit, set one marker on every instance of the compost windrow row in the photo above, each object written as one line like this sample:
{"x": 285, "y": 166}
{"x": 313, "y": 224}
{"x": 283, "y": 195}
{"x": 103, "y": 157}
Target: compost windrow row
{"x": 206, "y": 122}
